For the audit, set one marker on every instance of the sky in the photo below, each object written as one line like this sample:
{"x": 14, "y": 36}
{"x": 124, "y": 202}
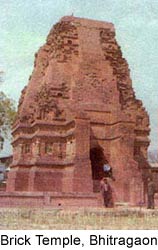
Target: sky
{"x": 26, "y": 23}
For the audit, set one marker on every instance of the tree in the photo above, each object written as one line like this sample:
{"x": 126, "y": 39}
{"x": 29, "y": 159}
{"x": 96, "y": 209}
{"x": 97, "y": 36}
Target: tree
{"x": 7, "y": 114}
{"x": 1, "y": 74}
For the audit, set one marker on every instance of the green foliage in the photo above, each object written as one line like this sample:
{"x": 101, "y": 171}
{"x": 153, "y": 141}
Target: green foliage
{"x": 7, "y": 112}
{"x": 1, "y": 74}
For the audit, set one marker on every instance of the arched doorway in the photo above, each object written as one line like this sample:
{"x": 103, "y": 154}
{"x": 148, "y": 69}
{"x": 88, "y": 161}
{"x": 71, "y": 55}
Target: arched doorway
{"x": 98, "y": 159}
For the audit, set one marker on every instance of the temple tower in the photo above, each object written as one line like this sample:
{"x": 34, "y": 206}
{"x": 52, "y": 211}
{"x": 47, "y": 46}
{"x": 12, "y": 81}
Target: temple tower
{"x": 78, "y": 111}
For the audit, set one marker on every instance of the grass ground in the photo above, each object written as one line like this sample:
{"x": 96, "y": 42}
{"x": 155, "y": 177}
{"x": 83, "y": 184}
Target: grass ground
{"x": 85, "y": 218}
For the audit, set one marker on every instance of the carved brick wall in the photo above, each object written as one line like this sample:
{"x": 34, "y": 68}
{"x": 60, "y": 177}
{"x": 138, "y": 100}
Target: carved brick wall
{"x": 79, "y": 99}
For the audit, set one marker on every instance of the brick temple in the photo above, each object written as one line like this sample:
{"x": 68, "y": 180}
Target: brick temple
{"x": 78, "y": 112}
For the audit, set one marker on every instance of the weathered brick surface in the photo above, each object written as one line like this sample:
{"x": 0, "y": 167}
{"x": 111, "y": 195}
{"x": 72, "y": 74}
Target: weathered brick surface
{"x": 42, "y": 199}
{"x": 77, "y": 112}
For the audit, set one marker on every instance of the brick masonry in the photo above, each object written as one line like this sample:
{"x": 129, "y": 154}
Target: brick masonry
{"x": 77, "y": 112}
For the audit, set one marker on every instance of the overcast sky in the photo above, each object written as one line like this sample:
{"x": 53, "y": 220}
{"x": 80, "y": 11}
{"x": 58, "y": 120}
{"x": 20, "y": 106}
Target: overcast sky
{"x": 26, "y": 23}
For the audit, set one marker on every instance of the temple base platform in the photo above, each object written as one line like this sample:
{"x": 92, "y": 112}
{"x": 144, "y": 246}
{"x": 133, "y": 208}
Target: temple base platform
{"x": 49, "y": 199}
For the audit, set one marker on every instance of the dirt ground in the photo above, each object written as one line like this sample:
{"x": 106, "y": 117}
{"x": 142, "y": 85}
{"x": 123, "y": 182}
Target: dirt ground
{"x": 84, "y": 218}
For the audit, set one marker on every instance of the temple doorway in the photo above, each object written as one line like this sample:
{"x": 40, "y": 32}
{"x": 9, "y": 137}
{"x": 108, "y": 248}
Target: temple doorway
{"x": 98, "y": 159}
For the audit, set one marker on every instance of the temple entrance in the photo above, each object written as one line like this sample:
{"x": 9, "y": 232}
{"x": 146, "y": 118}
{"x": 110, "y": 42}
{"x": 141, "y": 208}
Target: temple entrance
{"x": 98, "y": 159}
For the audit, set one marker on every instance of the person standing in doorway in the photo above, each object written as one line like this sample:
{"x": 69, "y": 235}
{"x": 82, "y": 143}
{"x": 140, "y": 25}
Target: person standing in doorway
{"x": 108, "y": 171}
{"x": 106, "y": 192}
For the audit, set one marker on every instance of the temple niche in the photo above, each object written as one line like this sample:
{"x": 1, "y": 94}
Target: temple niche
{"x": 78, "y": 112}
